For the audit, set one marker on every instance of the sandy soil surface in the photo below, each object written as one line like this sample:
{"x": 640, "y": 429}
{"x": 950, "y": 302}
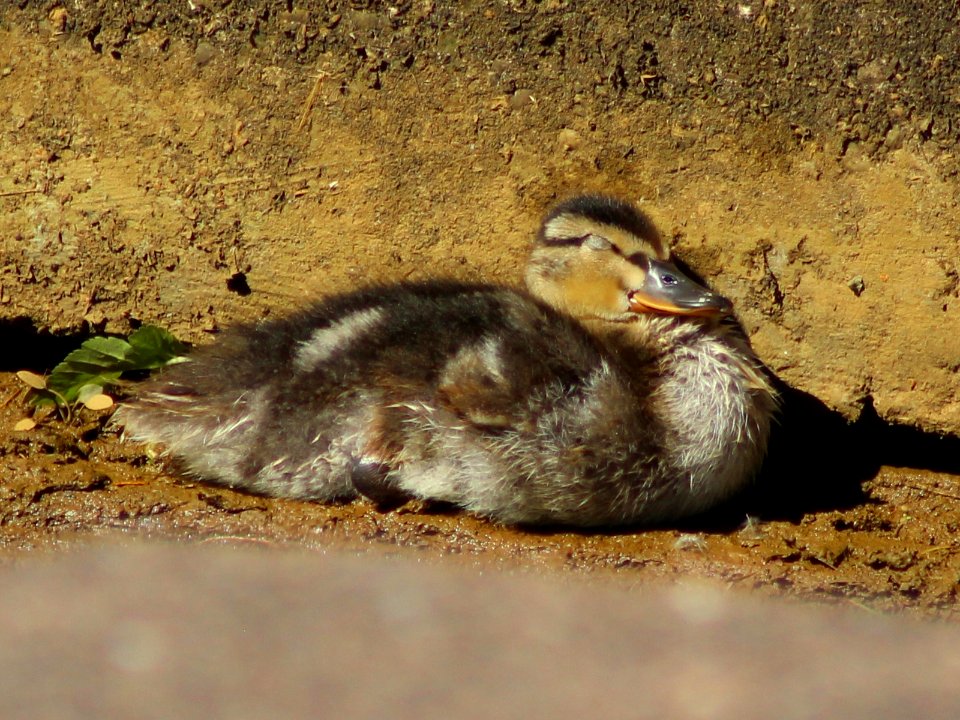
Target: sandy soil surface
{"x": 195, "y": 168}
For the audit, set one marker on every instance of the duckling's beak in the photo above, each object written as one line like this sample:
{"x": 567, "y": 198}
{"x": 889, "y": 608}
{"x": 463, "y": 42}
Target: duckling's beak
{"x": 668, "y": 291}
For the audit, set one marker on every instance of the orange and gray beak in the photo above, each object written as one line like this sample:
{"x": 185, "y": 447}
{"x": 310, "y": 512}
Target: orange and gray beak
{"x": 668, "y": 291}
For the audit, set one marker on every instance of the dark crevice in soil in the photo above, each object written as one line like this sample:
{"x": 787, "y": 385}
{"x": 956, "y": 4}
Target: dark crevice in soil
{"x": 31, "y": 349}
{"x": 816, "y": 461}
{"x": 905, "y": 446}
{"x": 239, "y": 284}
{"x": 101, "y": 482}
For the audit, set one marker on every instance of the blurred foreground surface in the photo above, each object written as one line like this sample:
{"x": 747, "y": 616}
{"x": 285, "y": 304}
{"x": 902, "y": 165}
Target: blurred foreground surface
{"x": 194, "y": 631}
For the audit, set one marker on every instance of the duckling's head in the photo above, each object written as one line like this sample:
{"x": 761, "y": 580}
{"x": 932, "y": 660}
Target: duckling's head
{"x": 599, "y": 257}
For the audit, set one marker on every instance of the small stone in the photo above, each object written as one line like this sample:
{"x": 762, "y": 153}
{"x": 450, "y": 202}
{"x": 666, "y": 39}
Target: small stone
{"x": 873, "y": 73}
{"x": 58, "y": 20}
{"x": 569, "y": 139}
{"x": 894, "y": 138}
{"x": 521, "y": 98}
{"x": 204, "y": 53}
{"x": 857, "y": 285}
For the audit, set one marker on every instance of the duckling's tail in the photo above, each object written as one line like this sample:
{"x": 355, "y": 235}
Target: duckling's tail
{"x": 207, "y": 437}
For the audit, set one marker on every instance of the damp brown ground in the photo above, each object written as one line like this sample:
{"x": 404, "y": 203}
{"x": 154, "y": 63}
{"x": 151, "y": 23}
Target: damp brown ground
{"x": 197, "y": 167}
{"x": 888, "y": 543}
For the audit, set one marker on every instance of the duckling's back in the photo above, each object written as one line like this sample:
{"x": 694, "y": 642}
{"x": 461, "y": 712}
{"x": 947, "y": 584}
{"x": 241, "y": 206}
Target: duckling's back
{"x": 469, "y": 394}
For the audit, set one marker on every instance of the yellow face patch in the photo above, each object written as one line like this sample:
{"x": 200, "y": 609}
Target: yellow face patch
{"x": 592, "y": 266}
{"x": 601, "y": 296}
{"x": 596, "y": 283}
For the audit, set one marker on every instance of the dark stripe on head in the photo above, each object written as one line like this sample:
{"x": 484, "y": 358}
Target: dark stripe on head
{"x": 641, "y": 260}
{"x": 560, "y": 242}
{"x": 606, "y": 210}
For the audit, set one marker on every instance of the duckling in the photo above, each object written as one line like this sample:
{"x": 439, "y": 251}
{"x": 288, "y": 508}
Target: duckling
{"x": 614, "y": 390}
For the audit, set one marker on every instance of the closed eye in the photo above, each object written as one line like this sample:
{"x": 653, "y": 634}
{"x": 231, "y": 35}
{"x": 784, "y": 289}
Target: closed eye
{"x": 596, "y": 242}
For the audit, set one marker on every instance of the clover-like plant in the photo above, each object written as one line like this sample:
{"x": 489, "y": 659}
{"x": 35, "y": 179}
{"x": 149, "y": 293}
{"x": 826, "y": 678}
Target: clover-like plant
{"x": 87, "y": 374}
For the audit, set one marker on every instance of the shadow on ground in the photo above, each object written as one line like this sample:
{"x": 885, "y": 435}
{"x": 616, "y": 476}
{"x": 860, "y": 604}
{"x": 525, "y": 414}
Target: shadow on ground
{"x": 818, "y": 461}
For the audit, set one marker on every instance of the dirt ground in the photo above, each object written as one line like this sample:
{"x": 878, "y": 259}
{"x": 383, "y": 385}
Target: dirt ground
{"x": 195, "y": 164}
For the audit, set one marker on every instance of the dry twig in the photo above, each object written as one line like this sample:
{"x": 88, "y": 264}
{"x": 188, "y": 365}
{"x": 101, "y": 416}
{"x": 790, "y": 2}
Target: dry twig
{"x": 311, "y": 99}
{"x": 15, "y": 193}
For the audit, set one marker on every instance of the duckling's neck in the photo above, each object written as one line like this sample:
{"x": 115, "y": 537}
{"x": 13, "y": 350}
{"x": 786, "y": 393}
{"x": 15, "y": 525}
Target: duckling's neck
{"x": 638, "y": 338}
{"x": 710, "y": 391}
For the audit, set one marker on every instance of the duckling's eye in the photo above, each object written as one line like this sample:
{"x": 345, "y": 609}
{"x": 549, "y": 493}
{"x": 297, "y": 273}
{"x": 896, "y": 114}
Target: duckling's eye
{"x": 668, "y": 279}
{"x": 595, "y": 242}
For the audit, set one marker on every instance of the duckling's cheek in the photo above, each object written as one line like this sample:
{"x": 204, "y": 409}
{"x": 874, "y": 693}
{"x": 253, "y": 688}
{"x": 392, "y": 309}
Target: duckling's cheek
{"x": 595, "y": 296}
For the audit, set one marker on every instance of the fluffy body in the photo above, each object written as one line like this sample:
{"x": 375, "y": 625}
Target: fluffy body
{"x": 485, "y": 397}
{"x": 477, "y": 396}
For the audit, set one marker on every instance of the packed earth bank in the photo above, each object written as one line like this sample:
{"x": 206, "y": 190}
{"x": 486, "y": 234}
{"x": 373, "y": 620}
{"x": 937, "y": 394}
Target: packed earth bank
{"x": 196, "y": 169}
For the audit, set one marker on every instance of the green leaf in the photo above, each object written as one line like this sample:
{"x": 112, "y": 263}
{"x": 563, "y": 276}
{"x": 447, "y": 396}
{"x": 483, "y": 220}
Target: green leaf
{"x": 43, "y": 398}
{"x": 85, "y": 392}
{"x": 100, "y": 361}
{"x": 69, "y": 380}
{"x": 154, "y": 347}
{"x": 102, "y": 350}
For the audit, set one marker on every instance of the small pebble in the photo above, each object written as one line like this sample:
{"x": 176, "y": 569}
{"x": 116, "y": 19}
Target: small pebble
{"x": 569, "y": 139}
{"x": 521, "y": 98}
{"x": 204, "y": 53}
{"x": 857, "y": 285}
{"x": 691, "y": 541}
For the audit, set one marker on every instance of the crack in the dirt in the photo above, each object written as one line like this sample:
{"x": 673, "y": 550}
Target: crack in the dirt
{"x": 773, "y": 282}
{"x": 100, "y": 482}
{"x": 219, "y": 503}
